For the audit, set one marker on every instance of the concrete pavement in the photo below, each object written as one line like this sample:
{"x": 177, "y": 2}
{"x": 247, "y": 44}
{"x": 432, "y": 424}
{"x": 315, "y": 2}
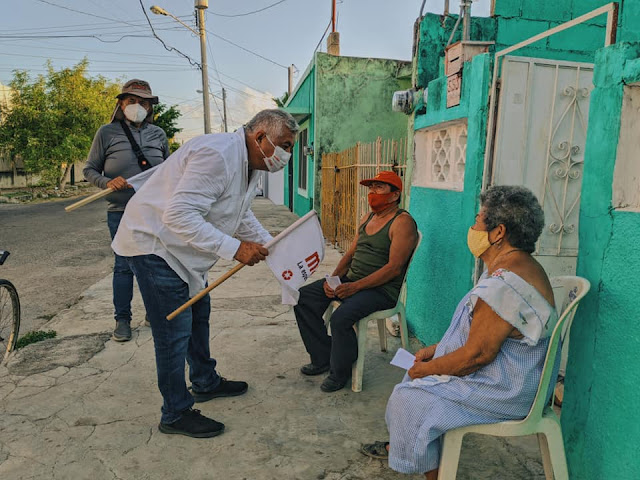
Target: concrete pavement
{"x": 82, "y": 406}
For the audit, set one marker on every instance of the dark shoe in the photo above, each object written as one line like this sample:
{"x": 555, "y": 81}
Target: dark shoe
{"x": 226, "y": 388}
{"x": 311, "y": 369}
{"x": 193, "y": 424}
{"x": 122, "y": 332}
{"x": 375, "y": 450}
{"x": 147, "y": 323}
{"x": 332, "y": 384}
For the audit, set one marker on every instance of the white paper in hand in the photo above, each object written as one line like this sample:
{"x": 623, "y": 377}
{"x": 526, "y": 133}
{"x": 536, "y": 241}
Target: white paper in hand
{"x": 333, "y": 282}
{"x": 403, "y": 359}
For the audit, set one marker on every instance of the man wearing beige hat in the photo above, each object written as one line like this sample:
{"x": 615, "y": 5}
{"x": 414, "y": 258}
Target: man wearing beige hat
{"x": 371, "y": 274}
{"x": 123, "y": 148}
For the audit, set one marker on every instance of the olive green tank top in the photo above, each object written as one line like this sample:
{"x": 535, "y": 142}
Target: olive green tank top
{"x": 372, "y": 253}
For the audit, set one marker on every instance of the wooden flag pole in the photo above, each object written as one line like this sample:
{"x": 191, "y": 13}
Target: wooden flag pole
{"x": 89, "y": 199}
{"x": 235, "y": 269}
{"x": 221, "y": 279}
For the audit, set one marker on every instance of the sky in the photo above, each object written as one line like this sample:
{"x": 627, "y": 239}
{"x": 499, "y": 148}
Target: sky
{"x": 250, "y": 44}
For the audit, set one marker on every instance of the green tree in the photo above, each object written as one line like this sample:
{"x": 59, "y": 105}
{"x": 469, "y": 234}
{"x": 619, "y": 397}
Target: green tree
{"x": 167, "y": 118}
{"x": 51, "y": 120}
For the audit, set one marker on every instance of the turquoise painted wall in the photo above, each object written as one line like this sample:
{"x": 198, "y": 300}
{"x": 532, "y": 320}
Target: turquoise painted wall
{"x": 520, "y": 19}
{"x": 302, "y": 104}
{"x": 441, "y": 272}
{"x": 434, "y": 35}
{"x": 429, "y": 310}
{"x": 599, "y": 414}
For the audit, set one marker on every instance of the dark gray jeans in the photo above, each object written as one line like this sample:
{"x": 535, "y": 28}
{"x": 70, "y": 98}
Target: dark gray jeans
{"x": 340, "y": 349}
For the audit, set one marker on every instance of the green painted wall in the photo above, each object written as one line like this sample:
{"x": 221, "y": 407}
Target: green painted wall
{"x": 601, "y": 400}
{"x": 441, "y": 272}
{"x": 302, "y": 104}
{"x": 350, "y": 101}
{"x": 354, "y": 103}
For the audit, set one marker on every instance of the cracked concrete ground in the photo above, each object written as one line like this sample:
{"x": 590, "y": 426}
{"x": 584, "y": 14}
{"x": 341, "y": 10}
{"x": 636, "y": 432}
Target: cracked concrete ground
{"x": 84, "y": 407}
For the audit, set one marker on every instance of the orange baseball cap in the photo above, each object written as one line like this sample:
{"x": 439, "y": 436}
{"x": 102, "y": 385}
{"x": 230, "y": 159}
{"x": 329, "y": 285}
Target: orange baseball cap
{"x": 385, "y": 176}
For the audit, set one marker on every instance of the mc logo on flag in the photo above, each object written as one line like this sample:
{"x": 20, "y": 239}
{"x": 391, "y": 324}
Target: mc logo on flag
{"x": 295, "y": 254}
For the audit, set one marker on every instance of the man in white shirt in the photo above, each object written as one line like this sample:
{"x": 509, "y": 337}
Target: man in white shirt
{"x": 174, "y": 229}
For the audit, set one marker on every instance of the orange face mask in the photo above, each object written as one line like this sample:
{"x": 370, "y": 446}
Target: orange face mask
{"x": 379, "y": 201}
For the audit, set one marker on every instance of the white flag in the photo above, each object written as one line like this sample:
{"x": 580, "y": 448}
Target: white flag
{"x": 295, "y": 254}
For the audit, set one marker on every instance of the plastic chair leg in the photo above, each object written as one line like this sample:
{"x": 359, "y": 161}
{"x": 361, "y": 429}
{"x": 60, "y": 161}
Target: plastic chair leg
{"x": 554, "y": 451}
{"x": 450, "y": 456}
{"x": 546, "y": 457}
{"x": 382, "y": 334}
{"x": 358, "y": 370}
{"x": 404, "y": 330}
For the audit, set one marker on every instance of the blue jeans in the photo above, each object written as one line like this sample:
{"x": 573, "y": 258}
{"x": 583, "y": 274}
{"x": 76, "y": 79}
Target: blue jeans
{"x": 122, "y": 275}
{"x": 184, "y": 337}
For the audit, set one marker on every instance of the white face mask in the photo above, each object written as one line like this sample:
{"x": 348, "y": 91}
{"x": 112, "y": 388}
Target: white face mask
{"x": 278, "y": 160}
{"x": 135, "y": 113}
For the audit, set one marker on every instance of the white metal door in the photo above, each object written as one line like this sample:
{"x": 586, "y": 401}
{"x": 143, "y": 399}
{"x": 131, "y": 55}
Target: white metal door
{"x": 540, "y": 139}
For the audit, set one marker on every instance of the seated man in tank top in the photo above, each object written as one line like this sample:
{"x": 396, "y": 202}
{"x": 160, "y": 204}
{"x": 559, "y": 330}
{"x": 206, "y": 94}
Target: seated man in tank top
{"x": 371, "y": 273}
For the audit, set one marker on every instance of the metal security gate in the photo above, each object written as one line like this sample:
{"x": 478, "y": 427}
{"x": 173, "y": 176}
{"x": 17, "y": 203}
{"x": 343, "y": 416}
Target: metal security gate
{"x": 541, "y": 132}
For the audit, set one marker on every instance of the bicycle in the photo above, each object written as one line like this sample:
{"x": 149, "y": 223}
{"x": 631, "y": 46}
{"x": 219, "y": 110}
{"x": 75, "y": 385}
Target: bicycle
{"x": 9, "y": 314}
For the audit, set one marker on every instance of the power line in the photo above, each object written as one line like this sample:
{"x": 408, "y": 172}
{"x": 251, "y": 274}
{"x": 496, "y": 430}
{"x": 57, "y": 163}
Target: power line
{"x": 322, "y": 38}
{"x": 191, "y": 61}
{"x": 97, "y": 37}
{"x": 105, "y": 25}
{"x": 247, "y": 50}
{"x": 249, "y": 13}
{"x": 81, "y": 12}
{"x": 92, "y": 61}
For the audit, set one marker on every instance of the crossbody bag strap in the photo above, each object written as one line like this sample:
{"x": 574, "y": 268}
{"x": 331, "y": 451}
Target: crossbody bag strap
{"x": 142, "y": 160}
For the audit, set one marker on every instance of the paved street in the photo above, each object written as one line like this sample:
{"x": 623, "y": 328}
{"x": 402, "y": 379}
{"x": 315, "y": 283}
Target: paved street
{"x": 84, "y": 407}
{"x": 55, "y": 255}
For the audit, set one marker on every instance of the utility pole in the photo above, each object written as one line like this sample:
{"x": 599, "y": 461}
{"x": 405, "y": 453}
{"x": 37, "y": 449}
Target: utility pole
{"x": 224, "y": 107}
{"x": 201, "y": 6}
{"x": 291, "y": 70}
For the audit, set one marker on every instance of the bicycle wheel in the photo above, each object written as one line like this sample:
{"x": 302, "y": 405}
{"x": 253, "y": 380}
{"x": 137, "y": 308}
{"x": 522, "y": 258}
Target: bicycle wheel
{"x": 9, "y": 317}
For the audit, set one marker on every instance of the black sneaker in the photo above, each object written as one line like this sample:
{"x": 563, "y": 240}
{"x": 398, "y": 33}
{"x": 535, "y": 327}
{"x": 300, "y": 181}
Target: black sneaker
{"x": 311, "y": 369}
{"x": 193, "y": 424}
{"x": 122, "y": 332}
{"x": 226, "y": 388}
{"x": 333, "y": 384}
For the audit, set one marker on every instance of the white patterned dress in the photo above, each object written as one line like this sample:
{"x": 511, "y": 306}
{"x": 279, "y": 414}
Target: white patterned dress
{"x": 420, "y": 411}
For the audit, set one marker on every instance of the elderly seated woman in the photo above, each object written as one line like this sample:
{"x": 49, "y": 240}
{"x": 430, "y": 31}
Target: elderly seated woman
{"x": 487, "y": 367}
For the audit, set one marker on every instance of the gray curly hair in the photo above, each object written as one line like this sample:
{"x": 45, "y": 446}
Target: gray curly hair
{"x": 273, "y": 121}
{"x": 518, "y": 209}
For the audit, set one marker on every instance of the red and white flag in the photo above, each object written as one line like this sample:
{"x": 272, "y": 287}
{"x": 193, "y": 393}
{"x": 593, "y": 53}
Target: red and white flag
{"x": 295, "y": 254}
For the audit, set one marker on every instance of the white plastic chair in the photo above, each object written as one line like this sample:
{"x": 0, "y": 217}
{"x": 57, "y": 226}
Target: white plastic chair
{"x": 541, "y": 420}
{"x": 381, "y": 315}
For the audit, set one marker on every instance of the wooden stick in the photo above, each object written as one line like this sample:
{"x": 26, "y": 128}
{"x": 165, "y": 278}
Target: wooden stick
{"x": 235, "y": 269}
{"x": 89, "y": 199}
{"x": 181, "y": 309}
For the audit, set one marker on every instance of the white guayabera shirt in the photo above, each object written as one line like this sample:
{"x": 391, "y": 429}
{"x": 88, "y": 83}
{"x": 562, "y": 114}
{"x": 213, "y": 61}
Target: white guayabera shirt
{"x": 188, "y": 209}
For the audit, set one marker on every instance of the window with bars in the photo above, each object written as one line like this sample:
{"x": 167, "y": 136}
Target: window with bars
{"x": 302, "y": 160}
{"x": 441, "y": 156}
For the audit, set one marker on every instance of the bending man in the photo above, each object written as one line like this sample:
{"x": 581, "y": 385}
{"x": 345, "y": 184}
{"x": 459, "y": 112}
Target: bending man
{"x": 174, "y": 230}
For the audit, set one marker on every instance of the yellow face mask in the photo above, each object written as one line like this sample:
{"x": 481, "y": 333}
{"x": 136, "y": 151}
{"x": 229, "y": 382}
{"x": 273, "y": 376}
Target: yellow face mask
{"x": 478, "y": 241}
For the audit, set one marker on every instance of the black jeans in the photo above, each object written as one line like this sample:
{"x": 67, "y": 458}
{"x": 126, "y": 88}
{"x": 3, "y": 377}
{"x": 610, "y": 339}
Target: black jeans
{"x": 340, "y": 349}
